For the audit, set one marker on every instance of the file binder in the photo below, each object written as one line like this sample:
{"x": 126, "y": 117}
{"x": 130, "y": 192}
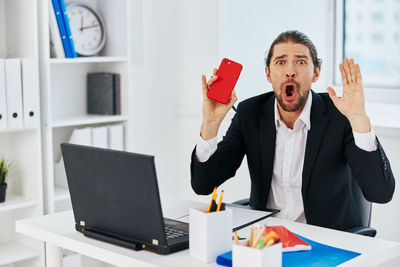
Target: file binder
{"x": 81, "y": 136}
{"x": 30, "y": 92}
{"x": 3, "y": 101}
{"x": 67, "y": 28}
{"x": 99, "y": 137}
{"x": 57, "y": 48}
{"x": 61, "y": 28}
{"x": 116, "y": 137}
{"x": 14, "y": 94}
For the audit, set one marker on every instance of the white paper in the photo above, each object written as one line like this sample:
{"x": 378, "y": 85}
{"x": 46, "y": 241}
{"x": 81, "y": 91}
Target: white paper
{"x": 241, "y": 216}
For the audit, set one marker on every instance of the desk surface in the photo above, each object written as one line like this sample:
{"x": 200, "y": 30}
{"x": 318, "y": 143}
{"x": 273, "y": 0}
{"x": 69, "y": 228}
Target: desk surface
{"x": 58, "y": 229}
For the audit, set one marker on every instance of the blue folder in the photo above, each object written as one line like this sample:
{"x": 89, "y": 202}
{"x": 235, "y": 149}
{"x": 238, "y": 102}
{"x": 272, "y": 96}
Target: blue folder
{"x": 61, "y": 28}
{"x": 70, "y": 41}
{"x": 320, "y": 255}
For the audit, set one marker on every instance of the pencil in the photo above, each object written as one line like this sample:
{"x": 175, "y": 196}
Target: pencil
{"x": 212, "y": 199}
{"x": 259, "y": 235}
{"x": 235, "y": 237}
{"x": 251, "y": 237}
{"x": 220, "y": 200}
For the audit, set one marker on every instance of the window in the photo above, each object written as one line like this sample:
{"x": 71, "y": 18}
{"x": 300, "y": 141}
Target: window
{"x": 369, "y": 32}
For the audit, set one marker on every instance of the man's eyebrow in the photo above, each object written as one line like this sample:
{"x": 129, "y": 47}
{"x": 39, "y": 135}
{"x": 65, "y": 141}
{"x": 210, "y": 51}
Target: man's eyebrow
{"x": 301, "y": 56}
{"x": 280, "y": 57}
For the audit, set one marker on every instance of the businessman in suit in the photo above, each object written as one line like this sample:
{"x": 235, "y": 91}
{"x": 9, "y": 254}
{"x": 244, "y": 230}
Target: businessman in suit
{"x": 302, "y": 148}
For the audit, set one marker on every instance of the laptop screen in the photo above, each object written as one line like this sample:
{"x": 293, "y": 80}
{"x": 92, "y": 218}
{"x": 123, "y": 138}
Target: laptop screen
{"x": 115, "y": 192}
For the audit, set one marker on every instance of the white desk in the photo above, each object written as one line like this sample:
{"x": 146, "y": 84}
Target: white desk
{"x": 58, "y": 232}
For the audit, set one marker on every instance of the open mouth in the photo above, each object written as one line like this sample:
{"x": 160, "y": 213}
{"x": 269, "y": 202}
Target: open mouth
{"x": 290, "y": 91}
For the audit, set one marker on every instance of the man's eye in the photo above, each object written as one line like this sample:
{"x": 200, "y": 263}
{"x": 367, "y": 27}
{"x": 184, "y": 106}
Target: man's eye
{"x": 301, "y": 62}
{"x": 280, "y": 62}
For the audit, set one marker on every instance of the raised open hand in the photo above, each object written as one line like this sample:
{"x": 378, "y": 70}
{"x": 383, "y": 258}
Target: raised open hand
{"x": 352, "y": 103}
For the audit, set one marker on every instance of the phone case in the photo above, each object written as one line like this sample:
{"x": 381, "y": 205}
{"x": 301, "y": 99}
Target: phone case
{"x": 228, "y": 74}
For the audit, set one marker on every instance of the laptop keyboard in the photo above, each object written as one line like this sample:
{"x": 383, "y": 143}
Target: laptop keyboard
{"x": 173, "y": 233}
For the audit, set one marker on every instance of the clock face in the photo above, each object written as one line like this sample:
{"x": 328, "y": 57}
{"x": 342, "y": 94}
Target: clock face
{"x": 87, "y": 29}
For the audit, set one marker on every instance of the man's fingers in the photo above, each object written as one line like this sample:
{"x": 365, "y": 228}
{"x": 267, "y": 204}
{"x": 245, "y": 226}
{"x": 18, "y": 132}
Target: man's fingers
{"x": 358, "y": 74}
{"x": 232, "y": 100}
{"x": 332, "y": 95}
{"x": 204, "y": 83}
{"x": 353, "y": 71}
{"x": 212, "y": 80}
{"x": 347, "y": 69}
{"x": 214, "y": 71}
{"x": 343, "y": 73}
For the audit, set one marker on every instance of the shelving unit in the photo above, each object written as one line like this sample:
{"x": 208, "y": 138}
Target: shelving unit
{"x": 24, "y": 198}
{"x": 64, "y": 91}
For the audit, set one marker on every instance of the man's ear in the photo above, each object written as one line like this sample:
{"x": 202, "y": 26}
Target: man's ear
{"x": 317, "y": 71}
{"x": 268, "y": 74}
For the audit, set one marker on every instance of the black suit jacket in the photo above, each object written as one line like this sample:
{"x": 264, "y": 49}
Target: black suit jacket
{"x": 331, "y": 160}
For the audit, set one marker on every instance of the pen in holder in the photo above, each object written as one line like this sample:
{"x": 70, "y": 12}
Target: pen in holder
{"x": 210, "y": 234}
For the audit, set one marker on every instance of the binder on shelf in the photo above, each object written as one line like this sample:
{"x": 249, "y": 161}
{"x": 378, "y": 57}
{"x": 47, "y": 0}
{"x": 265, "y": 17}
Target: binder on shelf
{"x": 103, "y": 93}
{"x": 3, "y": 101}
{"x": 30, "y": 92}
{"x": 116, "y": 137}
{"x": 56, "y": 46}
{"x": 80, "y": 137}
{"x": 117, "y": 93}
{"x": 70, "y": 40}
{"x": 99, "y": 137}
{"x": 61, "y": 28}
{"x": 14, "y": 93}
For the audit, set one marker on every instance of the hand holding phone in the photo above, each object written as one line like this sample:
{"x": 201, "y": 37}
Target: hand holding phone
{"x": 227, "y": 76}
{"x": 213, "y": 111}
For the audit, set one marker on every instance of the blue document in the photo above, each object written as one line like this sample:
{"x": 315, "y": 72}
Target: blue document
{"x": 320, "y": 255}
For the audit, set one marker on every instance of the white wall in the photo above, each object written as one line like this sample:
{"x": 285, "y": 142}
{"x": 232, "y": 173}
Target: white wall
{"x": 155, "y": 82}
{"x": 175, "y": 42}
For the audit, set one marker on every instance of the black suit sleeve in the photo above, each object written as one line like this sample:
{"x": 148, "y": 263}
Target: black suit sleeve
{"x": 223, "y": 164}
{"x": 371, "y": 170}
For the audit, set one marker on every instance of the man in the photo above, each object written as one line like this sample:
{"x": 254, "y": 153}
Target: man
{"x": 303, "y": 149}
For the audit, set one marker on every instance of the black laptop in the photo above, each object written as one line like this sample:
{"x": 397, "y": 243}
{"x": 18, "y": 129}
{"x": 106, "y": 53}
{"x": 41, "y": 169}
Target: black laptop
{"x": 115, "y": 198}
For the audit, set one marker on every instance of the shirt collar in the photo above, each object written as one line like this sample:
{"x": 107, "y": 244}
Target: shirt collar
{"x": 304, "y": 115}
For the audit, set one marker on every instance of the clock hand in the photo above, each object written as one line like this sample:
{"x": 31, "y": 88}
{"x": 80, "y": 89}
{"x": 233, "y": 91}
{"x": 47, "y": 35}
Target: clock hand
{"x": 88, "y": 27}
{"x": 81, "y": 29}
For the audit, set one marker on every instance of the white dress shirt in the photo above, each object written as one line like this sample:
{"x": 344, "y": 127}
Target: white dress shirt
{"x": 290, "y": 146}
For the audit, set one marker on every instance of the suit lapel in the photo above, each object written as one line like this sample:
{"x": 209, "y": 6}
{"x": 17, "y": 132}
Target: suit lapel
{"x": 319, "y": 121}
{"x": 267, "y": 143}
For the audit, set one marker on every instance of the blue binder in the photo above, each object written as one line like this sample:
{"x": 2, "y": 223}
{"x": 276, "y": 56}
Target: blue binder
{"x": 61, "y": 28}
{"x": 320, "y": 255}
{"x": 67, "y": 28}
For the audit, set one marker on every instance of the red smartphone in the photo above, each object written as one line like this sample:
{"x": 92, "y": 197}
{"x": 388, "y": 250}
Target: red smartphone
{"x": 228, "y": 74}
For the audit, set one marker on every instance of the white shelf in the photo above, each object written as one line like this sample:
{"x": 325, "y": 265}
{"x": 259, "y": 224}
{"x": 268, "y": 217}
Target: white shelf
{"x": 14, "y": 252}
{"x": 61, "y": 194}
{"x": 18, "y": 130}
{"x": 87, "y": 60}
{"x": 87, "y": 119}
{"x": 16, "y": 202}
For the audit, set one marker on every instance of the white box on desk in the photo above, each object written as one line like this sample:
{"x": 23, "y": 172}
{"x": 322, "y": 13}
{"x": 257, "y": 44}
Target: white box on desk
{"x": 210, "y": 234}
{"x": 244, "y": 256}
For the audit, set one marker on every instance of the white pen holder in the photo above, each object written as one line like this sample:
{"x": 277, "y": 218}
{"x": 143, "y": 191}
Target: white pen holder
{"x": 244, "y": 256}
{"x": 210, "y": 234}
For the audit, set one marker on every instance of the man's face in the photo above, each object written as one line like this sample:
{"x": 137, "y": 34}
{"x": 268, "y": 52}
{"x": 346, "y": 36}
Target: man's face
{"x": 291, "y": 72}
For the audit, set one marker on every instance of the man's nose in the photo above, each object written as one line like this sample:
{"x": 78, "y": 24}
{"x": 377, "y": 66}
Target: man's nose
{"x": 290, "y": 72}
